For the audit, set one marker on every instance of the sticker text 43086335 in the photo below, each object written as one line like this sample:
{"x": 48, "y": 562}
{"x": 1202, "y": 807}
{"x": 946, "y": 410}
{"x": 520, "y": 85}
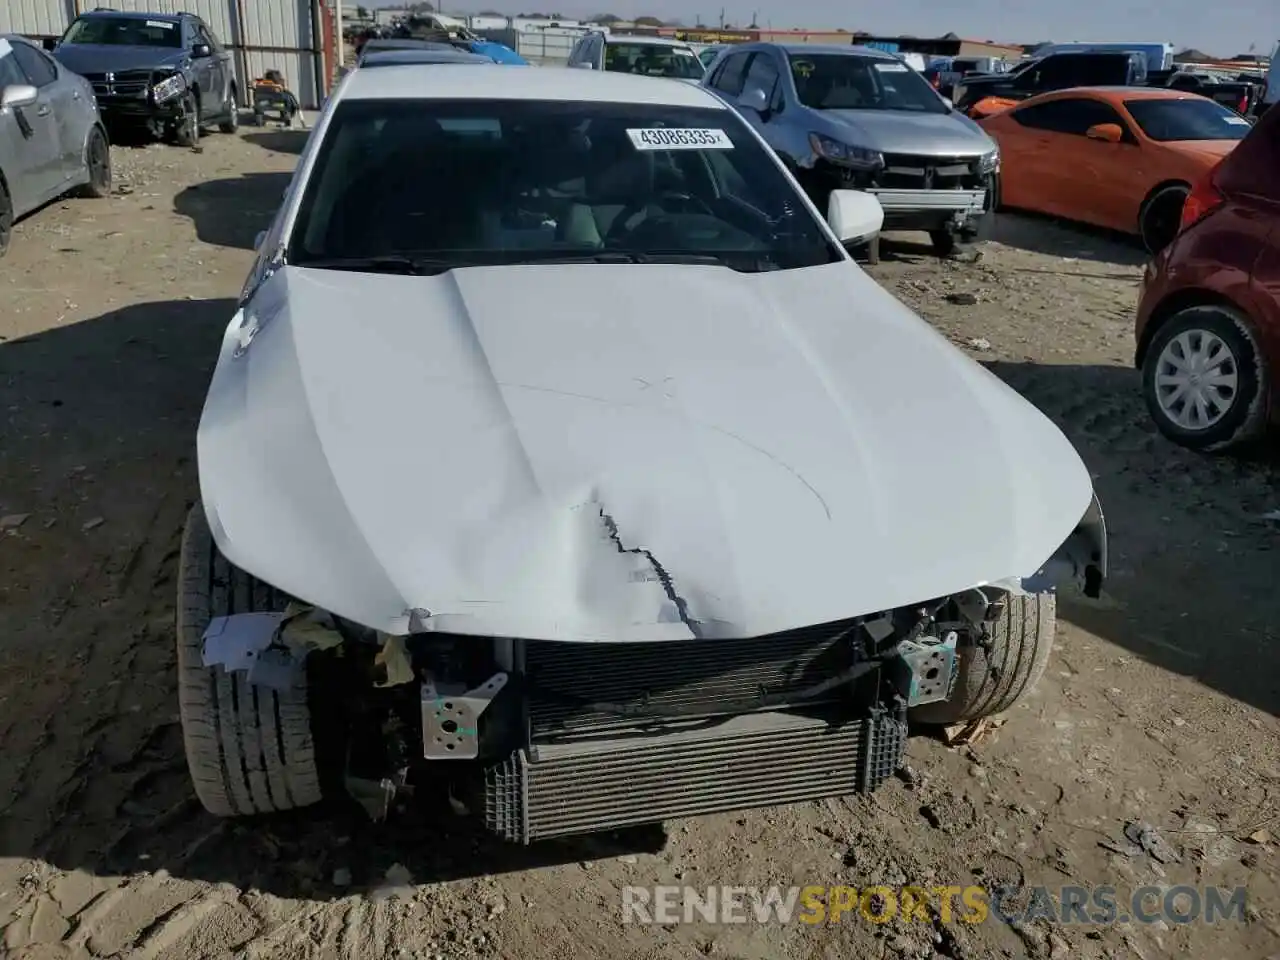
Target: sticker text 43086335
{"x": 679, "y": 138}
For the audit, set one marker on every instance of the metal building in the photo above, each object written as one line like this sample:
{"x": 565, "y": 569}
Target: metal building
{"x": 295, "y": 37}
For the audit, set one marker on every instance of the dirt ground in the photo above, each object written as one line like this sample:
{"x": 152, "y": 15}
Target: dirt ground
{"x": 1160, "y": 704}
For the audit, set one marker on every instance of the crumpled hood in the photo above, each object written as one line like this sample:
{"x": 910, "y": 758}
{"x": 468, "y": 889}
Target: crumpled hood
{"x": 902, "y": 131}
{"x": 618, "y": 452}
{"x": 107, "y": 58}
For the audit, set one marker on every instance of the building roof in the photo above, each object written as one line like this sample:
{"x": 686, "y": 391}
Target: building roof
{"x": 500, "y": 82}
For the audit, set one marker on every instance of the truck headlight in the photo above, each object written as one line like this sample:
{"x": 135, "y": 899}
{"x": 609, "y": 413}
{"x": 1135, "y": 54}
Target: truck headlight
{"x": 168, "y": 88}
{"x": 990, "y": 162}
{"x": 844, "y": 154}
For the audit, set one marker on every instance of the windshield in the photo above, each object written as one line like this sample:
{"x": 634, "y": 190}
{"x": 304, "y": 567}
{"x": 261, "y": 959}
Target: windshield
{"x": 428, "y": 185}
{"x": 1194, "y": 118}
{"x": 124, "y": 32}
{"x": 841, "y": 81}
{"x": 653, "y": 60}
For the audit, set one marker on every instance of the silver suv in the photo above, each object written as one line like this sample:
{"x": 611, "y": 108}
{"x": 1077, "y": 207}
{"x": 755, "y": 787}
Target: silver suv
{"x": 857, "y": 118}
{"x": 648, "y": 56}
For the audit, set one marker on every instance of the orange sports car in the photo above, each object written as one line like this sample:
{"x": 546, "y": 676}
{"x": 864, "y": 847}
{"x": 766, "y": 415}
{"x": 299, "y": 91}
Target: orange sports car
{"x": 1118, "y": 157}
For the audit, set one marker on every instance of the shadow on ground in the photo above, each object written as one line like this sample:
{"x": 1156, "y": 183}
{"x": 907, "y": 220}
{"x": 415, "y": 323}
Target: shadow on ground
{"x": 1059, "y": 238}
{"x": 231, "y": 212}
{"x": 1194, "y": 561}
{"x": 279, "y": 141}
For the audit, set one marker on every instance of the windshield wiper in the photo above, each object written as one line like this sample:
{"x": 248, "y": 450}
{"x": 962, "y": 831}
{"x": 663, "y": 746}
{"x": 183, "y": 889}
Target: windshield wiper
{"x": 407, "y": 266}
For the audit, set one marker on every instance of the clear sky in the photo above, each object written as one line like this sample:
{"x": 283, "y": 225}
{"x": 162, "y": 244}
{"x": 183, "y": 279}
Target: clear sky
{"x": 1223, "y": 28}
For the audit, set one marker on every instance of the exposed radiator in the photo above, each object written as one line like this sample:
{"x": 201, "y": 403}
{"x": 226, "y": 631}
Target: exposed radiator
{"x": 753, "y": 760}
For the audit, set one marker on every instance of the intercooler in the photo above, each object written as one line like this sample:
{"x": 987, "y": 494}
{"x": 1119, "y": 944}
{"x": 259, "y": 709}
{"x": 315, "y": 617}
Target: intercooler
{"x": 584, "y": 770}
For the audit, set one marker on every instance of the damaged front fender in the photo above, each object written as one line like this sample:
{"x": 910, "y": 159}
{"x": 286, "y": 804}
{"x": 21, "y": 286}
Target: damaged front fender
{"x": 1082, "y": 558}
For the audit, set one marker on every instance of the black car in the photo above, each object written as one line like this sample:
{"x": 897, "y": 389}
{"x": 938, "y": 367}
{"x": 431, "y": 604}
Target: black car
{"x": 166, "y": 72}
{"x": 1057, "y": 71}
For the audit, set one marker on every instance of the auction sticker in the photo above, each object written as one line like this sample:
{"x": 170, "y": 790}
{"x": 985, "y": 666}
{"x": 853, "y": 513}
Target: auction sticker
{"x": 679, "y": 138}
{"x": 1238, "y": 121}
{"x": 891, "y": 67}
{"x": 162, "y": 24}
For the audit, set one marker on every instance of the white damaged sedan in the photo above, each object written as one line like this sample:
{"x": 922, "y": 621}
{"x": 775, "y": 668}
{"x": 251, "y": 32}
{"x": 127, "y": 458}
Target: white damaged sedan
{"x": 559, "y": 451}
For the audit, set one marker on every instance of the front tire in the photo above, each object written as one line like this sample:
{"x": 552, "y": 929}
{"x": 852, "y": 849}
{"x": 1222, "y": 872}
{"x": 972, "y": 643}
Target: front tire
{"x": 186, "y": 132}
{"x": 1160, "y": 217}
{"x": 997, "y": 673}
{"x": 249, "y": 748}
{"x": 1205, "y": 380}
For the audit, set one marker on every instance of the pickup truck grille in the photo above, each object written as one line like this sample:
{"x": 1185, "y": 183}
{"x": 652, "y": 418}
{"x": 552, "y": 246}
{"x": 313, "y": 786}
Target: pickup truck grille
{"x": 126, "y": 83}
{"x": 909, "y": 172}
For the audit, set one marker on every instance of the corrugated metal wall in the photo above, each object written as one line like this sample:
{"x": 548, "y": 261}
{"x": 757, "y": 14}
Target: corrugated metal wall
{"x": 262, "y": 34}
{"x": 37, "y": 18}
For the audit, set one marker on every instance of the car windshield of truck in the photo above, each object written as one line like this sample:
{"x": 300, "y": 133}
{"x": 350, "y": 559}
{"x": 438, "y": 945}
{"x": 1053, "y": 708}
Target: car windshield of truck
{"x": 1194, "y": 118}
{"x": 653, "y": 60}
{"x": 422, "y": 186}
{"x": 124, "y": 32}
{"x": 839, "y": 81}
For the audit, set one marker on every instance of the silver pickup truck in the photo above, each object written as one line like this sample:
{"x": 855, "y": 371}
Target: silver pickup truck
{"x": 857, "y": 118}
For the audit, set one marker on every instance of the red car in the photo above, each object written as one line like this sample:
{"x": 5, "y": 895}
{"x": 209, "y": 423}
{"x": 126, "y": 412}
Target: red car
{"x": 1208, "y": 327}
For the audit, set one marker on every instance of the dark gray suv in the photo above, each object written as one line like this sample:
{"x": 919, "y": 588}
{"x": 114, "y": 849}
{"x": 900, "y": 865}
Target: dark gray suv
{"x": 165, "y": 72}
{"x": 860, "y": 119}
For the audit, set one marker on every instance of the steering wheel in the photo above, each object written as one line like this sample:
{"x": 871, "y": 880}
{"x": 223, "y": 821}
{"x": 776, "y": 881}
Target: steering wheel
{"x": 619, "y": 228}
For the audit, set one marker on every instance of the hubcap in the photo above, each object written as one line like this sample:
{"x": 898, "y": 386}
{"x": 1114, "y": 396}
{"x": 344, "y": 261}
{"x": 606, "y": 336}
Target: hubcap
{"x": 1197, "y": 379}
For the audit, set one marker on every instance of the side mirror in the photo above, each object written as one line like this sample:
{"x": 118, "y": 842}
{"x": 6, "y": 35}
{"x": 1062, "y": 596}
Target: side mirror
{"x": 1107, "y": 132}
{"x": 201, "y": 50}
{"x": 854, "y": 216}
{"x": 18, "y": 95}
{"x": 585, "y": 65}
{"x": 49, "y": 43}
{"x": 753, "y": 98}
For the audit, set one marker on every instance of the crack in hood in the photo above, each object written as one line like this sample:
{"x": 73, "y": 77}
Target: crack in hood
{"x": 618, "y": 452}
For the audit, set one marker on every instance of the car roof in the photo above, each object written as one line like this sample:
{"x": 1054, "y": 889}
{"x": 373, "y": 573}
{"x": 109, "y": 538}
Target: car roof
{"x": 387, "y": 58}
{"x": 650, "y": 41}
{"x": 827, "y": 49}
{"x": 499, "y": 82}
{"x": 405, "y": 43}
{"x": 1117, "y": 94}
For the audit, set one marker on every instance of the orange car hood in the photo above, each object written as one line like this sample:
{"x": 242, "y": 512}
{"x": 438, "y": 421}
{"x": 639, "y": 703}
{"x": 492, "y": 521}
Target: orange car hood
{"x": 1208, "y": 151}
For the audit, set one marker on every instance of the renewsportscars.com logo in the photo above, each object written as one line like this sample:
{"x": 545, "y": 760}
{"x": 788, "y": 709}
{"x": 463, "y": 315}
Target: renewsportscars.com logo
{"x": 1102, "y": 905}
